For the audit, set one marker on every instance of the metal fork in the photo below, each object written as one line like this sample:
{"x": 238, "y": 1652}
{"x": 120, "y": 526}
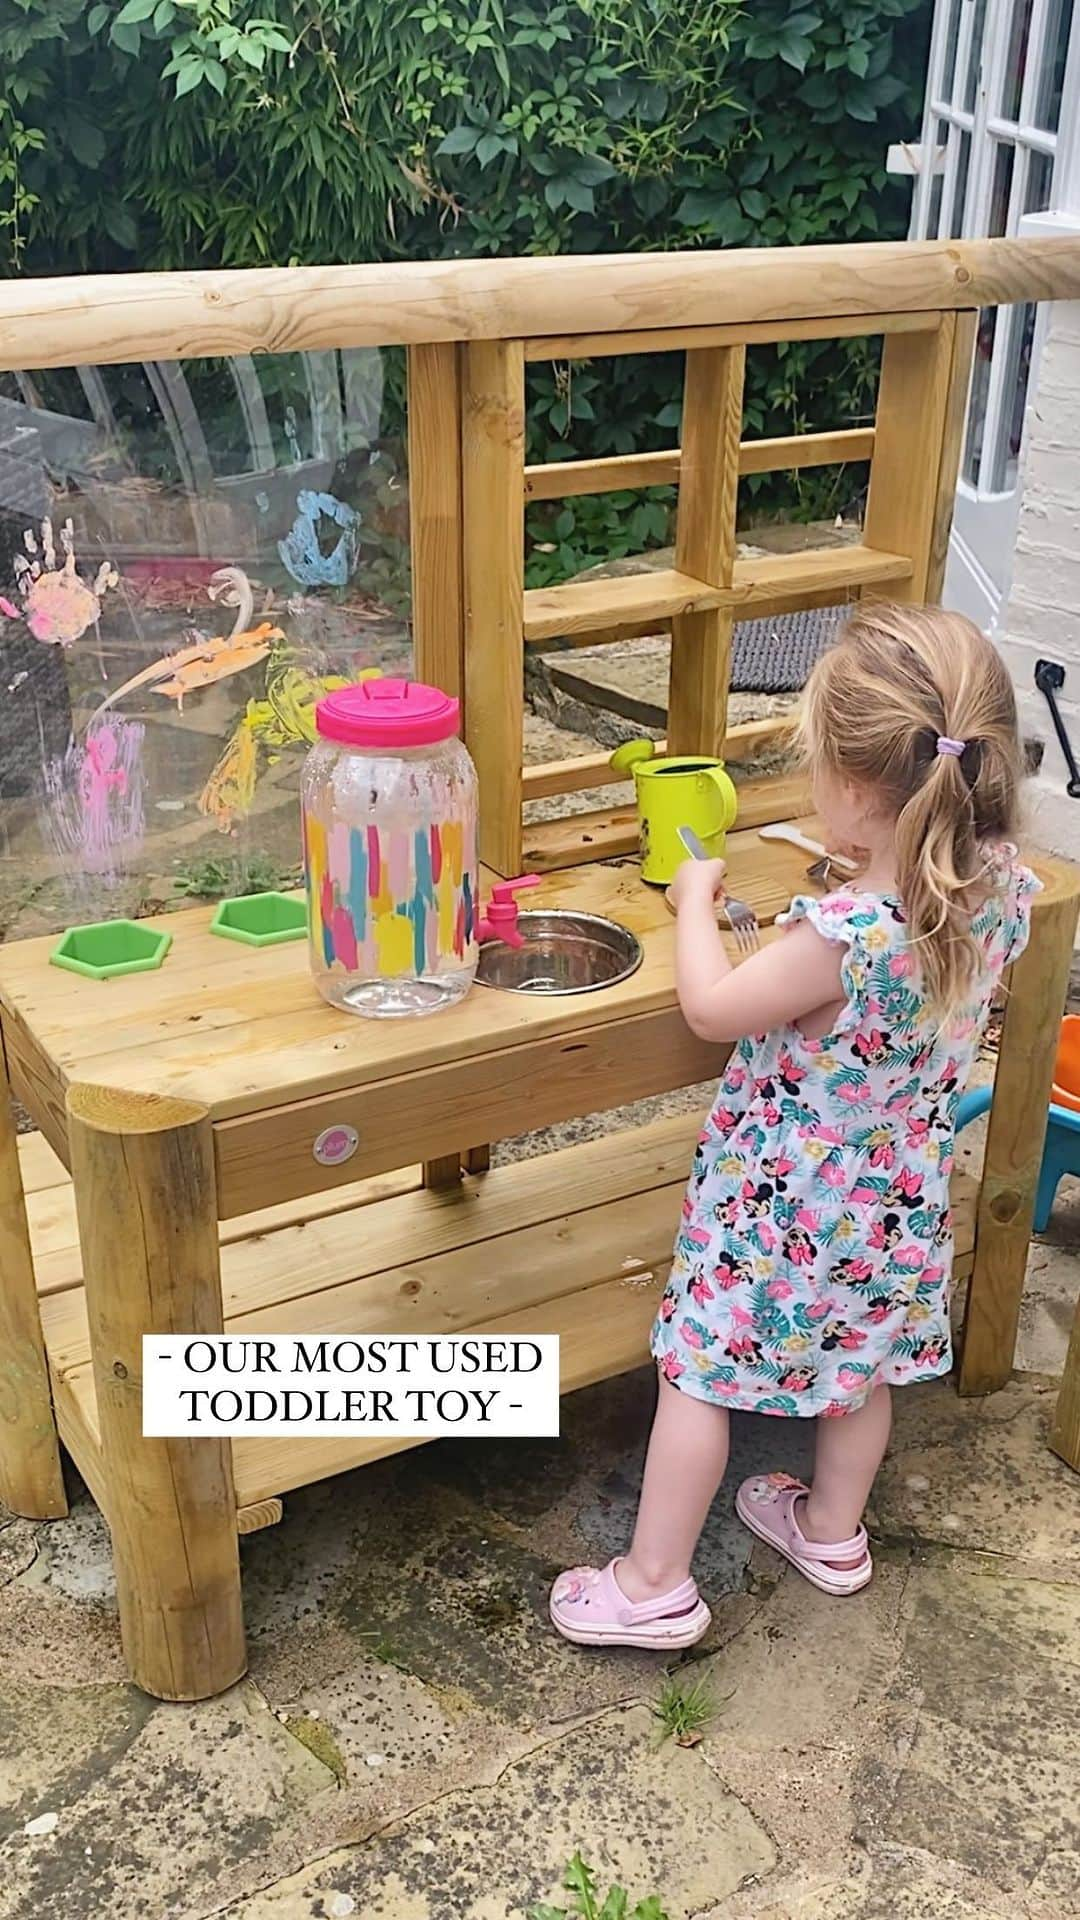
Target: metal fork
{"x": 739, "y": 914}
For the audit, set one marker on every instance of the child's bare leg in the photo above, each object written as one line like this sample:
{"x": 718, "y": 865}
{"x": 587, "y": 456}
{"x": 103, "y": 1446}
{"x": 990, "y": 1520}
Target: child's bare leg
{"x": 688, "y": 1451}
{"x": 848, "y": 1452}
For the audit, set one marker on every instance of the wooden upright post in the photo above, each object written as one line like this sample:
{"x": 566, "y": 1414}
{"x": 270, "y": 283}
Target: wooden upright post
{"x": 705, "y": 546}
{"x": 435, "y": 526}
{"x": 493, "y": 490}
{"x": 143, "y": 1168}
{"x": 31, "y": 1482}
{"x": 917, "y": 431}
{"x": 1017, "y": 1131}
{"x": 434, "y": 421}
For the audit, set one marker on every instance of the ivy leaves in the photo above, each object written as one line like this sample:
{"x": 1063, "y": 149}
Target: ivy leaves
{"x": 209, "y": 38}
{"x": 255, "y": 132}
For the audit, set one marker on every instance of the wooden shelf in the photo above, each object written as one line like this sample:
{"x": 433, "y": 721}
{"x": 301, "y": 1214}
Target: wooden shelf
{"x": 588, "y": 606}
{"x": 588, "y": 610}
{"x": 576, "y": 1243}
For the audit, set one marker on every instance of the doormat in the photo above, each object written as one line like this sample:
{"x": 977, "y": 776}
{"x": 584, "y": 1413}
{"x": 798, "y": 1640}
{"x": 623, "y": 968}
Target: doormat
{"x": 776, "y": 656}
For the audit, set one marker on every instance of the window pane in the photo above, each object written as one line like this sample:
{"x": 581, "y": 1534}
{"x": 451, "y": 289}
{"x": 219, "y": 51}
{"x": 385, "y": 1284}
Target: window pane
{"x": 956, "y": 219}
{"x": 951, "y": 38}
{"x": 973, "y": 64}
{"x": 1021, "y": 324}
{"x": 1000, "y": 189}
{"x": 1052, "y": 71}
{"x": 1039, "y": 181}
{"x": 1016, "y": 59}
{"x": 933, "y": 217}
{"x": 980, "y": 383}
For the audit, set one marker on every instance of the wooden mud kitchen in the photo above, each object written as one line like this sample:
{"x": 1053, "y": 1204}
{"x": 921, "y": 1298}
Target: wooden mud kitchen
{"x": 173, "y": 1187}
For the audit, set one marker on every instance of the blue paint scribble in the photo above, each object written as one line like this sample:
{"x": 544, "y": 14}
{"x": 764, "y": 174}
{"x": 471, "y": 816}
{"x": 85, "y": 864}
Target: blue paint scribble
{"x": 300, "y": 552}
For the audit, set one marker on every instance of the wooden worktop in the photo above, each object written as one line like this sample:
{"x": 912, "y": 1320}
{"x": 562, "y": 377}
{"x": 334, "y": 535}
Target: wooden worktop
{"x": 240, "y": 1029}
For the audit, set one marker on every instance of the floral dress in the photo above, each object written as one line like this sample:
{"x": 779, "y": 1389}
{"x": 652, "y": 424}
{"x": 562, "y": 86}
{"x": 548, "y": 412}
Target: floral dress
{"x": 812, "y": 1263}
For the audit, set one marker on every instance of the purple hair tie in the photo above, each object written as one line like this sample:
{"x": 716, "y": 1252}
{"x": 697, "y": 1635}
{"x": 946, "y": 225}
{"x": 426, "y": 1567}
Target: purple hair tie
{"x": 954, "y": 747}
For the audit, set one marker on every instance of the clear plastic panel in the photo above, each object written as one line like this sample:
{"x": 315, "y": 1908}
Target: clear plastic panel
{"x": 189, "y": 553}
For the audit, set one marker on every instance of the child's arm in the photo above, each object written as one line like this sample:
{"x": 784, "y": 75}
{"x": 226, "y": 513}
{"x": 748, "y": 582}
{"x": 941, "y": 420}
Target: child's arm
{"x": 788, "y": 980}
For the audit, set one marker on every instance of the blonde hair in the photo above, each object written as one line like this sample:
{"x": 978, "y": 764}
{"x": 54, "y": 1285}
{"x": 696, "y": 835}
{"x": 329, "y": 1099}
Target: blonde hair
{"x": 896, "y": 681}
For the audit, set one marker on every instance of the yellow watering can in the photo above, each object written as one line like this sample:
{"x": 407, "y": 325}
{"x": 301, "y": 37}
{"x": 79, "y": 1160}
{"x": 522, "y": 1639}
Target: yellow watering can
{"x": 681, "y": 790}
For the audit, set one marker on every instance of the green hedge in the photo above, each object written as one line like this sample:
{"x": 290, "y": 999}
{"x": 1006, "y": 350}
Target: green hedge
{"x": 196, "y": 132}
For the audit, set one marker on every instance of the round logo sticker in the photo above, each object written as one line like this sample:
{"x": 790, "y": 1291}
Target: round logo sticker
{"x": 335, "y": 1145}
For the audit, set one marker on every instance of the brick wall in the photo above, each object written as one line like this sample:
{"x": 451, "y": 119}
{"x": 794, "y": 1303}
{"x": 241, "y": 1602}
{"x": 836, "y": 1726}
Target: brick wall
{"x": 1042, "y": 618}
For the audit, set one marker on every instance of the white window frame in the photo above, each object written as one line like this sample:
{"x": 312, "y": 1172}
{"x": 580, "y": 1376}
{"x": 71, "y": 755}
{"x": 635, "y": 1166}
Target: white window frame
{"x": 986, "y": 130}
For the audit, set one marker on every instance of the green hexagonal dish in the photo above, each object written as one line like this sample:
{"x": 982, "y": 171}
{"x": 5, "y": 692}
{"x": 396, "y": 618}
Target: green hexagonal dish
{"x": 261, "y": 919}
{"x": 107, "y": 948}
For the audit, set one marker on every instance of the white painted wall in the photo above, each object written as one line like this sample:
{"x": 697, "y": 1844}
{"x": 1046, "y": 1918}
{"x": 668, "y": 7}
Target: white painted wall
{"x": 1041, "y": 619}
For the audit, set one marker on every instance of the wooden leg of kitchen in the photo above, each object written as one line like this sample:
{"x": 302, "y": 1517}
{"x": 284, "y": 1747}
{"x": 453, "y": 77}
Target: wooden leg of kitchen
{"x": 143, "y": 1169}
{"x": 1017, "y": 1131}
{"x": 31, "y": 1482}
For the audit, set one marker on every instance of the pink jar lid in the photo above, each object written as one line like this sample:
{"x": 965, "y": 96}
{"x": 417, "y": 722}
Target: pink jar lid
{"x": 387, "y": 713}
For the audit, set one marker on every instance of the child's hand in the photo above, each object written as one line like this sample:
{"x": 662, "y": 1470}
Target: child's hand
{"x": 697, "y": 880}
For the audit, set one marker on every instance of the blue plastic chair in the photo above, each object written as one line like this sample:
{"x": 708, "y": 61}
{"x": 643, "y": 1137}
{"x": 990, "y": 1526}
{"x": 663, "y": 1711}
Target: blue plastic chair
{"x": 1061, "y": 1154}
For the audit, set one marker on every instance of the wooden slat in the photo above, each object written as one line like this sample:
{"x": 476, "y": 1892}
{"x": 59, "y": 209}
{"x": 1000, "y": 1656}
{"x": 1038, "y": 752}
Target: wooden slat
{"x": 631, "y": 604}
{"x": 794, "y": 451}
{"x": 38, "y": 1164}
{"x": 110, "y": 318}
{"x": 700, "y": 663}
{"x": 913, "y": 405}
{"x": 435, "y": 516}
{"x": 964, "y": 335}
{"x": 746, "y": 741}
{"x": 493, "y": 415}
{"x": 462, "y": 1104}
{"x": 610, "y": 833}
{"x": 766, "y": 605}
{"x": 264, "y": 1513}
{"x": 272, "y": 1271}
{"x": 54, "y": 1233}
{"x": 585, "y": 606}
{"x": 621, "y": 1250}
{"x": 604, "y": 833}
{"x": 753, "y": 333}
{"x": 770, "y": 797}
{"x": 562, "y": 479}
{"x": 1017, "y": 1129}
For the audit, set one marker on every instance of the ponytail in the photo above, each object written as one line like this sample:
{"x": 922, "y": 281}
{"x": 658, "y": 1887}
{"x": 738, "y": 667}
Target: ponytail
{"x": 937, "y": 867}
{"x": 915, "y": 705}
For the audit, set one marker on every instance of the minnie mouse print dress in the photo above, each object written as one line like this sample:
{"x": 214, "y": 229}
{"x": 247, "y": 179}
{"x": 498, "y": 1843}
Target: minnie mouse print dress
{"x": 812, "y": 1263}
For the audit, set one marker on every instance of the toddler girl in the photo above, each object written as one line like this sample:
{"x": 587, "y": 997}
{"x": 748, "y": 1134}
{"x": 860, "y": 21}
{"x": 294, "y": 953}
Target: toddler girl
{"x": 811, "y": 1268}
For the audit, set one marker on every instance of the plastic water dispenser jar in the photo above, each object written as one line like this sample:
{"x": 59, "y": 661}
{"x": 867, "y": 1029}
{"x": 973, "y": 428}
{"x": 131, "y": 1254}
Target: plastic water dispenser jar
{"x": 389, "y": 809}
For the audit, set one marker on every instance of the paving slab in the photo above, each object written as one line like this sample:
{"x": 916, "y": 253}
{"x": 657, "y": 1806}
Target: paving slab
{"x": 154, "y": 1804}
{"x": 979, "y": 1473}
{"x": 655, "y": 1819}
{"x": 977, "y": 1759}
{"x": 889, "y": 1883}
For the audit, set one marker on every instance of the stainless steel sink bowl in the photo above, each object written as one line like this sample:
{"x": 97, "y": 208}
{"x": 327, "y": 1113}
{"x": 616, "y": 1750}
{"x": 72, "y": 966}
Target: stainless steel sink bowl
{"x": 563, "y": 953}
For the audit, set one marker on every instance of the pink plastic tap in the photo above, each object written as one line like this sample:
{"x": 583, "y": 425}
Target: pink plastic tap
{"x": 500, "y": 922}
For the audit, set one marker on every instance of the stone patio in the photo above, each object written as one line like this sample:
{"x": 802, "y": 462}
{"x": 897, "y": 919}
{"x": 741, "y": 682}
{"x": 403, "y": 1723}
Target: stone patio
{"x": 413, "y": 1742}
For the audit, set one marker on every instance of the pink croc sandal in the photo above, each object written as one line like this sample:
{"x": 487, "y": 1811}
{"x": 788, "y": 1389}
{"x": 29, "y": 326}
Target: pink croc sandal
{"x": 589, "y": 1607}
{"x": 767, "y": 1506}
